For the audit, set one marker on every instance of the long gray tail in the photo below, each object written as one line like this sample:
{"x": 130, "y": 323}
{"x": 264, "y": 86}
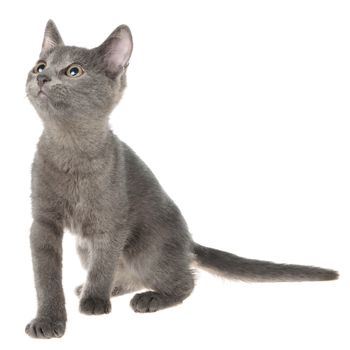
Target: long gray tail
{"x": 235, "y": 267}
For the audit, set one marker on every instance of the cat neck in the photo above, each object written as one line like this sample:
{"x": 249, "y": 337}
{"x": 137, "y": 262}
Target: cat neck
{"x": 74, "y": 148}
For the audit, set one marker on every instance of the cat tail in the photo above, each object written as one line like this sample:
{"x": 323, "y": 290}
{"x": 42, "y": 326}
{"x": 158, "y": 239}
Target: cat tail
{"x": 235, "y": 267}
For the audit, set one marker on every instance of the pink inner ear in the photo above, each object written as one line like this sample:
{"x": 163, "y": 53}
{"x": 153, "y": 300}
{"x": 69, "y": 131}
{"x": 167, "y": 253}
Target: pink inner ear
{"x": 48, "y": 43}
{"x": 119, "y": 53}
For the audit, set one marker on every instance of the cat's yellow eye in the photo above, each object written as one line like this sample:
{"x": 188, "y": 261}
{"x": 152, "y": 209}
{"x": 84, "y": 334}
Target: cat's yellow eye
{"x": 40, "y": 66}
{"x": 74, "y": 71}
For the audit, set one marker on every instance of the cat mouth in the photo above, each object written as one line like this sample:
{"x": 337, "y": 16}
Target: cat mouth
{"x": 41, "y": 93}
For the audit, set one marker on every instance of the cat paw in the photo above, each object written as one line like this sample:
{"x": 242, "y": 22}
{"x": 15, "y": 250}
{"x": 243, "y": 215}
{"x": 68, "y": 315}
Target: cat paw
{"x": 95, "y": 306}
{"x": 78, "y": 290}
{"x": 117, "y": 291}
{"x": 45, "y": 328}
{"x": 146, "y": 302}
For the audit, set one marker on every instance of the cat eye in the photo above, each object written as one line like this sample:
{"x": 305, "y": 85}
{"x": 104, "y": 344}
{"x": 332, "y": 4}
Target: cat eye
{"x": 74, "y": 71}
{"x": 40, "y": 66}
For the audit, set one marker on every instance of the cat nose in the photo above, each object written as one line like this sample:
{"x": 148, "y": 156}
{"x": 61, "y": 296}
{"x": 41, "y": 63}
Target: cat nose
{"x": 42, "y": 79}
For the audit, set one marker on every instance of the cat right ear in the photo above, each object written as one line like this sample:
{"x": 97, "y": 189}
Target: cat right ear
{"x": 116, "y": 50}
{"x": 52, "y": 38}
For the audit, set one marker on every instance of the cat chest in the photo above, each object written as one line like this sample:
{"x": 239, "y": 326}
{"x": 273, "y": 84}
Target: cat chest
{"x": 81, "y": 198}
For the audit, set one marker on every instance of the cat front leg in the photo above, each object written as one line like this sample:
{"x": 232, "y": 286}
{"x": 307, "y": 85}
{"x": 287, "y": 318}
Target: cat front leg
{"x": 96, "y": 292}
{"x": 46, "y": 247}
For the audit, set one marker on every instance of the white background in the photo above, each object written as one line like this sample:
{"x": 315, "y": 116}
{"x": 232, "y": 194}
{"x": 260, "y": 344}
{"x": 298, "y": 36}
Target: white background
{"x": 241, "y": 108}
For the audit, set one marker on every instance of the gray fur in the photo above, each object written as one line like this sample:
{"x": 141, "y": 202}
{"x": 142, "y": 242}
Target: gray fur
{"x": 130, "y": 234}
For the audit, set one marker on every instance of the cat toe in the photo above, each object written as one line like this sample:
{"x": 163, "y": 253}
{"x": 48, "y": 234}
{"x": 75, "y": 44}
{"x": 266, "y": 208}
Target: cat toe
{"x": 78, "y": 290}
{"x": 45, "y": 328}
{"x": 146, "y": 302}
{"x": 95, "y": 306}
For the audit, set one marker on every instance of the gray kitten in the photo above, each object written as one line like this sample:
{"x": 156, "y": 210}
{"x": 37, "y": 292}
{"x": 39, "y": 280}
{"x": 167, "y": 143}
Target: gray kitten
{"x": 130, "y": 234}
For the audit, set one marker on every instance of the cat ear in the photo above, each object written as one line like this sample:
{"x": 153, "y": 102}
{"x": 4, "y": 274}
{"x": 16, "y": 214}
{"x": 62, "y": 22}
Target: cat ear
{"x": 116, "y": 49}
{"x": 52, "y": 37}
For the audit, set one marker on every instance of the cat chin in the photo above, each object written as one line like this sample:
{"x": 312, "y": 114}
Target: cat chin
{"x": 40, "y": 102}
{"x": 42, "y": 95}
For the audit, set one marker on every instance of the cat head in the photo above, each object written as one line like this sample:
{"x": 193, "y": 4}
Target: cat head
{"x": 74, "y": 84}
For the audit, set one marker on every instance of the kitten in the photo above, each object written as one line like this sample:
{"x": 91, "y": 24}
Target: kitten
{"x": 130, "y": 234}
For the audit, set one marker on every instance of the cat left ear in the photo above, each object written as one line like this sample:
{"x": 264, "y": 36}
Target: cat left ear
{"x": 117, "y": 49}
{"x": 52, "y": 37}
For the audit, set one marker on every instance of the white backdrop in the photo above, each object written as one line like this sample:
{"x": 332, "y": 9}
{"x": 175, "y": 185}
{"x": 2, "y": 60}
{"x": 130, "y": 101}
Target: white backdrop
{"x": 241, "y": 108}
